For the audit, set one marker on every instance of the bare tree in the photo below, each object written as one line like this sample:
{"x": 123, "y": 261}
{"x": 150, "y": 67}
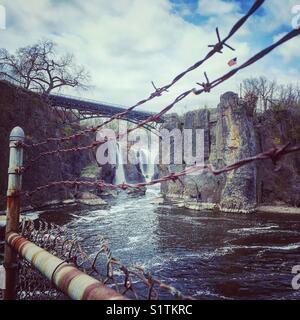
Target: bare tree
{"x": 262, "y": 88}
{"x": 38, "y": 68}
{"x": 270, "y": 95}
{"x": 289, "y": 95}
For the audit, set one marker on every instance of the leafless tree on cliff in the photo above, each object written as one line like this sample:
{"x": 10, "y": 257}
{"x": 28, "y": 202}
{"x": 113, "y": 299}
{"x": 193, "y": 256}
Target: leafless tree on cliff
{"x": 289, "y": 95}
{"x": 270, "y": 95}
{"x": 262, "y": 88}
{"x": 37, "y": 67}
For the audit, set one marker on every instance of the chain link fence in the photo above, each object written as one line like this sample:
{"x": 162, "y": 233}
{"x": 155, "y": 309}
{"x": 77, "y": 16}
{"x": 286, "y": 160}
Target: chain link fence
{"x": 132, "y": 281}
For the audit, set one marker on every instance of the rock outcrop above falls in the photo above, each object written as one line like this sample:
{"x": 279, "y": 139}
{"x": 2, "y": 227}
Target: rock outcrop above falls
{"x": 231, "y": 133}
{"x": 235, "y": 140}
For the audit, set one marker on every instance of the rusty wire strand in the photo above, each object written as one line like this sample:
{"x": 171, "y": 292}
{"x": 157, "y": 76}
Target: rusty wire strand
{"x": 216, "y": 48}
{"x": 274, "y": 154}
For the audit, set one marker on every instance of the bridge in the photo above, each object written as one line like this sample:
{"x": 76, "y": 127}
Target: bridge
{"x": 71, "y": 109}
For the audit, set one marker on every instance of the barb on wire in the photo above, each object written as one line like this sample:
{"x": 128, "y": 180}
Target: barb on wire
{"x": 219, "y": 45}
{"x": 158, "y": 91}
{"x": 205, "y": 85}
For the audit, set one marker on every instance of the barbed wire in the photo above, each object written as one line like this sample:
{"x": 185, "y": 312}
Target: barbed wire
{"x": 131, "y": 277}
{"x": 210, "y": 85}
{"x": 274, "y": 154}
{"x": 207, "y": 87}
{"x": 216, "y": 48}
{"x": 58, "y": 151}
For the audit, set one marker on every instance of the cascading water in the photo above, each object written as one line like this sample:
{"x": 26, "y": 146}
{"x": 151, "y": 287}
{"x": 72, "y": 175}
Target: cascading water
{"x": 143, "y": 162}
{"x": 120, "y": 174}
{"x": 146, "y": 163}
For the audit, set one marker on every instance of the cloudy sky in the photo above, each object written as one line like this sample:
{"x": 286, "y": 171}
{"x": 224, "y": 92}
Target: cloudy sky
{"x": 126, "y": 44}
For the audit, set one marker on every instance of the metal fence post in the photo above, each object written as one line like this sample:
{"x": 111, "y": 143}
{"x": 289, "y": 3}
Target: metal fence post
{"x": 13, "y": 209}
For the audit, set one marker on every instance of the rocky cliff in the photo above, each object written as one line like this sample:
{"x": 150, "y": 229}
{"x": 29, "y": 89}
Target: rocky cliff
{"x": 231, "y": 133}
{"x": 23, "y": 108}
{"x": 282, "y": 186}
{"x": 235, "y": 140}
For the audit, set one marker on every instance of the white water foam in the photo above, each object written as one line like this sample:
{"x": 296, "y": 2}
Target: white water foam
{"x": 287, "y": 247}
{"x": 255, "y": 230}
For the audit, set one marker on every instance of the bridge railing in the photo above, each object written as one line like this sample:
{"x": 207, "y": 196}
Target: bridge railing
{"x": 88, "y": 100}
{"x": 94, "y": 105}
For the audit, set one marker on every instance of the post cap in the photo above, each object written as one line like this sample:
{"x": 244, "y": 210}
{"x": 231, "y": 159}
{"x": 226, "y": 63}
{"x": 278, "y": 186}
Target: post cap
{"x": 17, "y": 133}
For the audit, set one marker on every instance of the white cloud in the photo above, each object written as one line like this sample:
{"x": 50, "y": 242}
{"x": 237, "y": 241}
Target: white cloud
{"x": 279, "y": 13}
{"x": 128, "y": 43}
{"x": 289, "y": 51}
{"x": 216, "y": 7}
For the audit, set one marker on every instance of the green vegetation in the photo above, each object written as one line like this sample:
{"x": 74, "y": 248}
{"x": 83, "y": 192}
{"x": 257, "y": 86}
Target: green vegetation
{"x": 67, "y": 130}
{"x": 92, "y": 170}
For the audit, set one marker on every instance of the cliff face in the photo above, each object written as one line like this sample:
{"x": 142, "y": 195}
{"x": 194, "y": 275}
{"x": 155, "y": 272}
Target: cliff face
{"x": 235, "y": 141}
{"x": 230, "y": 134}
{"x": 23, "y": 108}
{"x": 282, "y": 186}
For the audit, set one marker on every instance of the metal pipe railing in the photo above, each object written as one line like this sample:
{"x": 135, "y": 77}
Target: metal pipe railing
{"x": 16, "y": 140}
{"x": 67, "y": 278}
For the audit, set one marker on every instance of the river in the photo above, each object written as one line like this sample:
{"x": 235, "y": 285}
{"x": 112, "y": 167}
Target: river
{"x": 203, "y": 254}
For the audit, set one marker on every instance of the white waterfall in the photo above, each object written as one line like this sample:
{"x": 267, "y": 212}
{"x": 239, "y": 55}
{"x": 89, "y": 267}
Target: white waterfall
{"x": 120, "y": 174}
{"x": 143, "y": 162}
{"x": 146, "y": 164}
{"x": 150, "y": 171}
